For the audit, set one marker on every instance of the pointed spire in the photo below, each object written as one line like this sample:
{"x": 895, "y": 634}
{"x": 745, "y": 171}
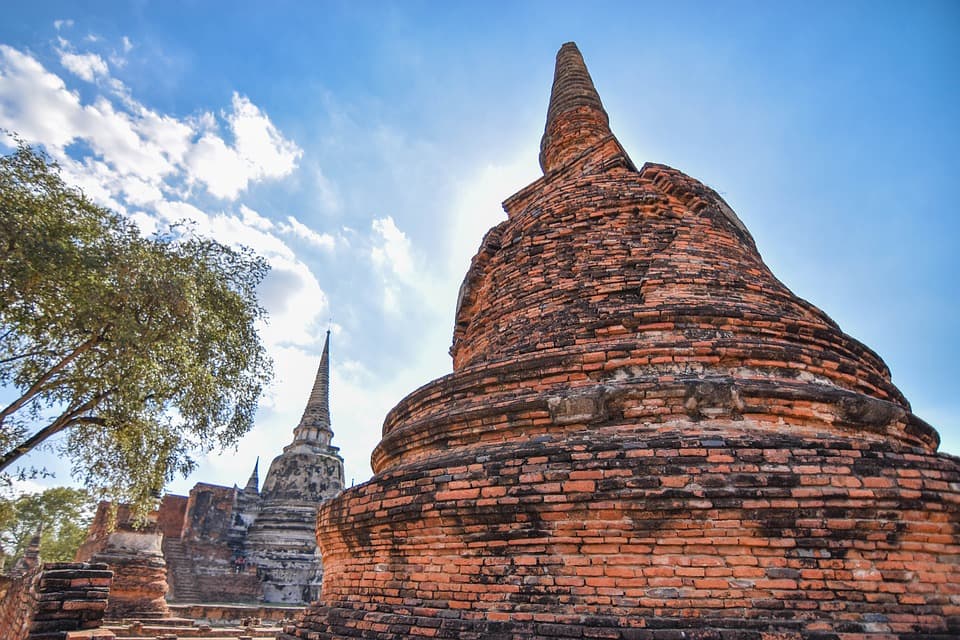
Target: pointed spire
{"x": 30, "y": 557}
{"x": 316, "y": 415}
{"x": 576, "y": 119}
{"x": 253, "y": 484}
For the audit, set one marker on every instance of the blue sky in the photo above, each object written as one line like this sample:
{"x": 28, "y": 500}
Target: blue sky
{"x": 364, "y": 149}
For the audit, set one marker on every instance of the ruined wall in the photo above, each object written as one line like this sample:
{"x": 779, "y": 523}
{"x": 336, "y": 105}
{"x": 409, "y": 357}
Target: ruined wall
{"x": 47, "y": 602}
{"x": 199, "y": 572}
{"x": 134, "y": 554}
{"x": 202, "y": 562}
{"x": 186, "y": 553}
{"x": 18, "y": 597}
{"x": 139, "y": 573}
{"x": 171, "y": 516}
{"x": 208, "y": 512}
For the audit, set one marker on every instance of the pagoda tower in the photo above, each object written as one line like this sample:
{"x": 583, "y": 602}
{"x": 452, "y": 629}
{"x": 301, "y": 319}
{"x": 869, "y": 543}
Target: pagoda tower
{"x": 645, "y": 435}
{"x": 281, "y": 541}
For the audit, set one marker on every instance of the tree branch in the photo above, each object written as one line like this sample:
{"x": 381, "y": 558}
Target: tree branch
{"x": 26, "y": 355}
{"x": 37, "y": 386}
{"x": 67, "y": 418}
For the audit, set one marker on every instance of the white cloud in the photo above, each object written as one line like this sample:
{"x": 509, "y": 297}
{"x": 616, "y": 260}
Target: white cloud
{"x": 259, "y": 151}
{"x": 392, "y": 250}
{"x": 35, "y": 103}
{"x": 391, "y": 254}
{"x": 302, "y": 231}
{"x": 131, "y": 139}
{"x": 86, "y": 66}
{"x": 327, "y": 190}
{"x": 60, "y": 24}
{"x": 127, "y": 44}
{"x": 218, "y": 167}
{"x": 254, "y": 219}
{"x": 259, "y": 143}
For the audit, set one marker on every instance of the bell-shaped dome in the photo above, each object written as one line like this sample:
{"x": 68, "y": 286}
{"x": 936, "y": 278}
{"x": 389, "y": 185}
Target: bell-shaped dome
{"x": 645, "y": 435}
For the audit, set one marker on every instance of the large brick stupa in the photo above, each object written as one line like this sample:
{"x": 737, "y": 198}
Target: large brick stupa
{"x": 645, "y": 435}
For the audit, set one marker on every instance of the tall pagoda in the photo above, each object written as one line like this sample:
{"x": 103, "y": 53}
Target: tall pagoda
{"x": 281, "y": 541}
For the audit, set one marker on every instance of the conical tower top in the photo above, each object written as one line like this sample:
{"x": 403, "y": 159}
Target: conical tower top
{"x": 314, "y": 425}
{"x": 576, "y": 120}
{"x": 253, "y": 483}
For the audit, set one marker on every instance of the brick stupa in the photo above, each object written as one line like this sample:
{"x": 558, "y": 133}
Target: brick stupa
{"x": 645, "y": 435}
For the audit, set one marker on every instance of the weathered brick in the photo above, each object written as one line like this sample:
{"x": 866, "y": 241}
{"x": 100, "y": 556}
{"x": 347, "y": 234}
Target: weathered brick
{"x": 679, "y": 446}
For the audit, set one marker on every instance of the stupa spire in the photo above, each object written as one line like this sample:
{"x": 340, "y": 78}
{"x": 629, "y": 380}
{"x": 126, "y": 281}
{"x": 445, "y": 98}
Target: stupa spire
{"x": 315, "y": 423}
{"x": 576, "y": 120}
{"x": 253, "y": 483}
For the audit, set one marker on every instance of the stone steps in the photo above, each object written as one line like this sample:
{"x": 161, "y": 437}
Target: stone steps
{"x": 179, "y": 577}
{"x": 179, "y": 632}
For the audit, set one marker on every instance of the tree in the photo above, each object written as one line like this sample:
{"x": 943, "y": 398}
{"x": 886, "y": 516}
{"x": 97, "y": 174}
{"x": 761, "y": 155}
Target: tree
{"x": 139, "y": 350}
{"x": 63, "y": 513}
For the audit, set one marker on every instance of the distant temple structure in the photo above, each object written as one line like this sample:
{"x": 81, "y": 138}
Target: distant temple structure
{"x": 646, "y": 435}
{"x": 227, "y": 544}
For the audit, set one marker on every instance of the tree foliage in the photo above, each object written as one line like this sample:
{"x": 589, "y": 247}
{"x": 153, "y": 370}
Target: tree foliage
{"x": 138, "y": 350}
{"x": 63, "y": 513}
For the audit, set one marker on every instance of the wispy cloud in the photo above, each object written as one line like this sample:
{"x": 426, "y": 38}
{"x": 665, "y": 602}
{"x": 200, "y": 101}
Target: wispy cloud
{"x": 302, "y": 231}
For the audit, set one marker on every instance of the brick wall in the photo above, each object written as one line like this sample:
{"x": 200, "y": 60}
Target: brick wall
{"x": 731, "y": 529}
{"x": 208, "y": 512}
{"x": 171, "y": 515}
{"x": 17, "y": 603}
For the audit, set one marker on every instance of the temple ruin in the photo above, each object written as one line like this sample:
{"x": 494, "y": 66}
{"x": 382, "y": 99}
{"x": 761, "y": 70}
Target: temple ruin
{"x": 645, "y": 435}
{"x": 227, "y": 544}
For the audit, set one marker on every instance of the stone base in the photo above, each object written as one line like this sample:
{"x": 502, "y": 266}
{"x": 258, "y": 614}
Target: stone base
{"x": 400, "y": 623}
{"x": 732, "y": 532}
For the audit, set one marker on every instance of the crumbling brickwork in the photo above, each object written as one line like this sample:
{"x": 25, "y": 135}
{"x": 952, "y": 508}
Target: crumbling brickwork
{"x": 45, "y": 603}
{"x": 202, "y": 555}
{"x": 645, "y": 435}
{"x": 18, "y": 599}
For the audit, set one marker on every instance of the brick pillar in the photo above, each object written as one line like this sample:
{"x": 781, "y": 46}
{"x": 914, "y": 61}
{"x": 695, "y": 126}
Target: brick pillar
{"x": 140, "y": 574}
